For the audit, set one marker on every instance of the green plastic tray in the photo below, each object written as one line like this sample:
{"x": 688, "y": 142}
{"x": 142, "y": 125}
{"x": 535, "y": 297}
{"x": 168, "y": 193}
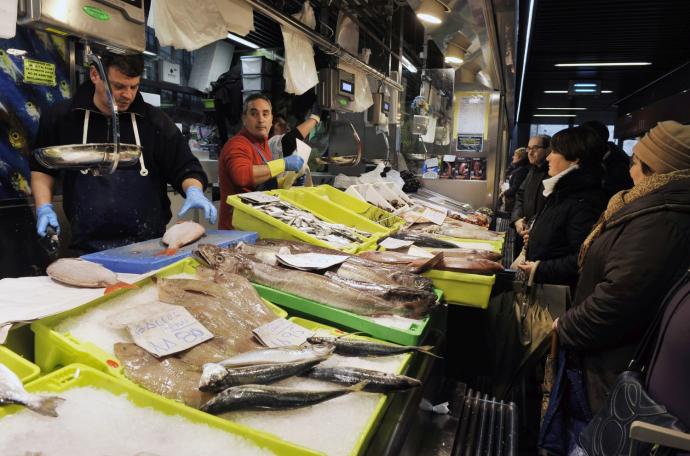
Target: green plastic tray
{"x": 54, "y": 349}
{"x": 25, "y": 370}
{"x": 78, "y": 375}
{"x": 363, "y": 439}
{"x": 460, "y": 288}
{"x": 344, "y": 319}
{"x": 245, "y": 217}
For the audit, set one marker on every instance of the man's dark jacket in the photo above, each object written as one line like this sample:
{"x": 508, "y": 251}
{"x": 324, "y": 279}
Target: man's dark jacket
{"x": 530, "y": 198}
{"x": 616, "y": 170}
{"x": 121, "y": 208}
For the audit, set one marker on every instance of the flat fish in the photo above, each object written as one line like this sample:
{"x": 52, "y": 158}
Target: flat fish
{"x": 270, "y": 397}
{"x": 12, "y": 392}
{"x": 377, "y": 382}
{"x": 181, "y": 234}
{"x": 85, "y": 274}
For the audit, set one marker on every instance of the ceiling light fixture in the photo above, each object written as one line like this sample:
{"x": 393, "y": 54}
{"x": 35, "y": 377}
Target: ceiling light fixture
{"x": 555, "y": 91}
{"x": 607, "y": 91}
{"x": 585, "y": 90}
{"x": 241, "y": 40}
{"x": 564, "y": 109}
{"x": 555, "y": 115}
{"x": 602, "y": 64}
{"x": 431, "y": 11}
{"x": 524, "y": 59}
{"x": 455, "y": 50}
{"x": 407, "y": 64}
{"x": 585, "y": 84}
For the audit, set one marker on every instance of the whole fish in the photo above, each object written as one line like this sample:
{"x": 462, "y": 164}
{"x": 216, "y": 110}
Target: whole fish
{"x": 377, "y": 382}
{"x": 181, "y": 234}
{"x": 215, "y": 380}
{"x": 270, "y": 397}
{"x": 278, "y": 355}
{"x": 422, "y": 240}
{"x": 470, "y": 265}
{"x": 12, "y": 392}
{"x": 465, "y": 233}
{"x": 391, "y": 257}
{"x": 85, "y": 274}
{"x": 359, "y": 347}
{"x": 305, "y": 284}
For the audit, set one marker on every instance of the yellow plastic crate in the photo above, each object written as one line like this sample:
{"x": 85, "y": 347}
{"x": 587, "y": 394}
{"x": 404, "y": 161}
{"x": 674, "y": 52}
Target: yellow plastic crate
{"x": 25, "y": 370}
{"x": 464, "y": 289}
{"x": 247, "y": 218}
{"x": 77, "y": 375}
{"x": 54, "y": 349}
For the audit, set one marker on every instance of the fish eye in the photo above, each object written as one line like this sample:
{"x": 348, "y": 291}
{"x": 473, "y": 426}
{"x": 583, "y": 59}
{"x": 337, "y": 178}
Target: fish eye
{"x": 220, "y": 258}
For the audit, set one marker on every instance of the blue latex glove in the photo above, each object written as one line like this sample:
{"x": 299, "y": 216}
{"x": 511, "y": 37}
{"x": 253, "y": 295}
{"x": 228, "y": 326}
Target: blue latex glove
{"x": 196, "y": 199}
{"x": 46, "y": 216}
{"x": 293, "y": 163}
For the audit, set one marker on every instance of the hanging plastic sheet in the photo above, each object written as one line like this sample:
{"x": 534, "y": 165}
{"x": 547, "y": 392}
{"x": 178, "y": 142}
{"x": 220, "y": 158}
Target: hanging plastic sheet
{"x": 299, "y": 70}
{"x": 191, "y": 25}
{"x": 347, "y": 34}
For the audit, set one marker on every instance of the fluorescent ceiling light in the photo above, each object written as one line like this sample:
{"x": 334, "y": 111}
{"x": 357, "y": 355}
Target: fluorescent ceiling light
{"x": 584, "y": 84}
{"x": 431, "y": 11}
{"x": 564, "y": 109}
{"x": 524, "y": 60}
{"x": 585, "y": 90}
{"x": 149, "y": 53}
{"x": 602, "y": 64}
{"x": 429, "y": 18}
{"x": 607, "y": 91}
{"x": 241, "y": 40}
{"x": 555, "y": 91}
{"x": 407, "y": 64}
{"x": 555, "y": 115}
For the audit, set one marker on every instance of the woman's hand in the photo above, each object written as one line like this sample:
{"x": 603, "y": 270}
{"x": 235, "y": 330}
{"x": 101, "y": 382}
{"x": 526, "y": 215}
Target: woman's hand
{"x": 526, "y": 267}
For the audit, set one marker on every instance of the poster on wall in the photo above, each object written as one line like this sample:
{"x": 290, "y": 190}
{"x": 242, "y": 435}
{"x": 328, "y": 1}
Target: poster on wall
{"x": 478, "y": 169}
{"x": 470, "y": 142}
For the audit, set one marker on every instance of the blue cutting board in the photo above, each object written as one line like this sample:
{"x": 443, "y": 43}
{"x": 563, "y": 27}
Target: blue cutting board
{"x": 141, "y": 257}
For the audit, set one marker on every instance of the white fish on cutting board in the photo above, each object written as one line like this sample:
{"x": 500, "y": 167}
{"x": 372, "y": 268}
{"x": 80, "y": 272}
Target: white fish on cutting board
{"x": 181, "y": 234}
{"x": 12, "y": 392}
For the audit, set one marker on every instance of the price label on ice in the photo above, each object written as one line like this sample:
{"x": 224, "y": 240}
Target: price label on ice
{"x": 392, "y": 243}
{"x": 434, "y": 216}
{"x": 169, "y": 332}
{"x": 310, "y": 261}
{"x": 282, "y": 333}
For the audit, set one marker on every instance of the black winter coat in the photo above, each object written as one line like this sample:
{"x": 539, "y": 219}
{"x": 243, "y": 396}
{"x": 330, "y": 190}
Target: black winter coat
{"x": 562, "y": 226}
{"x": 529, "y": 198}
{"x": 629, "y": 268}
{"x": 616, "y": 170}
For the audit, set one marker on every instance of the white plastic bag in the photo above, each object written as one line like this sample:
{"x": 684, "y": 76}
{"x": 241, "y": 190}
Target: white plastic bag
{"x": 347, "y": 34}
{"x": 299, "y": 70}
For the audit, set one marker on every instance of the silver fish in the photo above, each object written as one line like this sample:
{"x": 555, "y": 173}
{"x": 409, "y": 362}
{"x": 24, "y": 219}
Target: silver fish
{"x": 377, "y": 382}
{"x": 278, "y": 355}
{"x": 269, "y": 397}
{"x": 12, "y": 392}
{"x": 212, "y": 380}
{"x": 358, "y": 347}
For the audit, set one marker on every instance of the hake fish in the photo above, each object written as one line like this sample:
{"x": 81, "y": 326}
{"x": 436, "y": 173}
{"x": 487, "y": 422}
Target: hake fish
{"x": 359, "y": 347}
{"x": 270, "y": 397}
{"x": 377, "y": 382}
{"x": 179, "y": 235}
{"x": 278, "y": 355}
{"x": 86, "y": 274}
{"x": 12, "y": 392}
{"x": 215, "y": 380}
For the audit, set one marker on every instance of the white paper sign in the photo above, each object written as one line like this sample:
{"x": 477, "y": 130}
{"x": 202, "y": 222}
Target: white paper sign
{"x": 434, "y": 216}
{"x": 282, "y": 333}
{"x": 310, "y": 261}
{"x": 392, "y": 243}
{"x": 304, "y": 151}
{"x": 259, "y": 197}
{"x": 419, "y": 252}
{"x": 169, "y": 332}
{"x": 431, "y": 162}
{"x": 449, "y": 158}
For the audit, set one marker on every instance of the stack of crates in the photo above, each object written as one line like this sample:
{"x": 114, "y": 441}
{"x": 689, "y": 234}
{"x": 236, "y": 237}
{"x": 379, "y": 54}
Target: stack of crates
{"x": 257, "y": 75}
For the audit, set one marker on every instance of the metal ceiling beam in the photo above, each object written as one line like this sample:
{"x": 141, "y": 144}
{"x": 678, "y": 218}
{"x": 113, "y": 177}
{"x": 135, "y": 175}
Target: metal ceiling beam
{"x": 321, "y": 42}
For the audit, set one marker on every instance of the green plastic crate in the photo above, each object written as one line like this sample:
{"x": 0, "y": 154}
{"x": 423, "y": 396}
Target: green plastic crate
{"x": 25, "y": 370}
{"x": 54, "y": 349}
{"x": 246, "y": 217}
{"x": 345, "y": 319}
{"x": 461, "y": 288}
{"x": 383, "y": 403}
{"x": 77, "y": 375}
{"x": 349, "y": 203}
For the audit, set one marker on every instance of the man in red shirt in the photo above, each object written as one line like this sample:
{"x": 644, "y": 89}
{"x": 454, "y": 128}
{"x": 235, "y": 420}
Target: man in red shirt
{"x": 246, "y": 163}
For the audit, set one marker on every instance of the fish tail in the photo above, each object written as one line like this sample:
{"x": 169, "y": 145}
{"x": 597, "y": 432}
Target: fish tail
{"x": 46, "y": 405}
{"x": 359, "y": 386}
{"x": 426, "y": 349}
{"x": 166, "y": 252}
{"x": 119, "y": 286}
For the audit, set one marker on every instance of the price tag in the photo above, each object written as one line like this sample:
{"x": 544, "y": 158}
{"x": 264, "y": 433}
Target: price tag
{"x": 431, "y": 162}
{"x": 449, "y": 158}
{"x": 391, "y": 243}
{"x": 310, "y": 261}
{"x": 419, "y": 252}
{"x": 168, "y": 332}
{"x": 258, "y": 197}
{"x": 282, "y": 333}
{"x": 434, "y": 216}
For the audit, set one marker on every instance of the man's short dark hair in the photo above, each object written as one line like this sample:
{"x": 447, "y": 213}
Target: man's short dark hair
{"x": 545, "y": 141}
{"x": 130, "y": 65}
{"x": 254, "y": 97}
{"x": 601, "y": 130}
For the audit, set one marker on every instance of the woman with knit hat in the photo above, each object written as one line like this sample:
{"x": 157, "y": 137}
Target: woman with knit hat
{"x": 637, "y": 250}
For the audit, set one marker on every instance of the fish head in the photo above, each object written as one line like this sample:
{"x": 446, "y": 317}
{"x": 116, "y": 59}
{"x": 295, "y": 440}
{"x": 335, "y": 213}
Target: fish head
{"x": 324, "y": 350}
{"x": 209, "y": 254}
{"x": 221, "y": 259}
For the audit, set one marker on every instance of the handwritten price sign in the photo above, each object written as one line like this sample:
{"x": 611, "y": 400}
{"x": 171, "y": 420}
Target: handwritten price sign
{"x": 169, "y": 332}
{"x": 282, "y": 333}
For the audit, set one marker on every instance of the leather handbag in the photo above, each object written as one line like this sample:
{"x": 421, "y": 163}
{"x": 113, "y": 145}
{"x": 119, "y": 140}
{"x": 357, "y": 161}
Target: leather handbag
{"x": 608, "y": 434}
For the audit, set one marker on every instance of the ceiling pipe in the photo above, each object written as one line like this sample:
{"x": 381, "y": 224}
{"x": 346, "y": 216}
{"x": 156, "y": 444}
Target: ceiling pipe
{"x": 322, "y": 42}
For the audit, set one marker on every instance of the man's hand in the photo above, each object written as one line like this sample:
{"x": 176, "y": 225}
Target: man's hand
{"x": 520, "y": 226}
{"x": 527, "y": 267}
{"x": 46, "y": 215}
{"x": 196, "y": 199}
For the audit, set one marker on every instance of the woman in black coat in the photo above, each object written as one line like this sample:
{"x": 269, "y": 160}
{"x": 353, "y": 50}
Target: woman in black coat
{"x": 635, "y": 253}
{"x": 574, "y": 202}
{"x": 515, "y": 176}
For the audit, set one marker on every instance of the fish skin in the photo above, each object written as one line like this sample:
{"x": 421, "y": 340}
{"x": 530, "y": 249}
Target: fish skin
{"x": 277, "y": 355}
{"x": 422, "y": 240}
{"x": 81, "y": 273}
{"x": 12, "y": 392}
{"x": 358, "y": 347}
{"x": 377, "y": 382}
{"x": 262, "y": 374}
{"x": 183, "y": 233}
{"x": 270, "y": 397}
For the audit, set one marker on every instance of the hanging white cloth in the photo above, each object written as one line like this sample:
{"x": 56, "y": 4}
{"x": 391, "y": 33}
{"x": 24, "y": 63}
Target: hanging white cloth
{"x": 299, "y": 70}
{"x": 191, "y": 25}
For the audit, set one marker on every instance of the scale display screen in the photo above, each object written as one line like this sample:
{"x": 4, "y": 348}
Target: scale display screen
{"x": 386, "y": 107}
{"x": 347, "y": 87}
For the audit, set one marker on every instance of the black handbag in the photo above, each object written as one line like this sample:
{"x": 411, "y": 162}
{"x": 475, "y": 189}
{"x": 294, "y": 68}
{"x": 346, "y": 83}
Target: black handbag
{"x": 608, "y": 434}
